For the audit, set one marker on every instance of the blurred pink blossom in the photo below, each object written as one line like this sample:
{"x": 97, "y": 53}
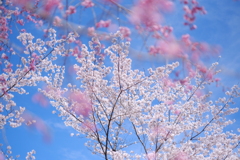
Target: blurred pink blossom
{"x": 157, "y": 131}
{"x": 87, "y": 3}
{"x": 148, "y": 12}
{"x": 125, "y": 31}
{"x": 91, "y": 31}
{"x": 2, "y": 156}
{"x": 180, "y": 155}
{"x": 71, "y": 10}
{"x": 89, "y": 126}
{"x": 57, "y": 21}
{"x": 81, "y": 103}
{"x": 4, "y": 56}
{"x": 33, "y": 121}
{"x": 151, "y": 156}
{"x": 40, "y": 99}
{"x": 103, "y": 24}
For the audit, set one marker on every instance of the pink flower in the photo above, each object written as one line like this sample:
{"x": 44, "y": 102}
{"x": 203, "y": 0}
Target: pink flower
{"x": 4, "y": 56}
{"x": 8, "y": 68}
{"x": 154, "y": 50}
{"x": 37, "y": 123}
{"x": 168, "y": 83}
{"x": 217, "y": 80}
{"x": 87, "y": 3}
{"x": 71, "y": 10}
{"x": 151, "y": 156}
{"x": 183, "y": 81}
{"x": 148, "y": 12}
{"x": 198, "y": 93}
{"x": 41, "y": 99}
{"x": 55, "y": 92}
{"x": 177, "y": 112}
{"x": 81, "y": 103}
{"x": 186, "y": 39}
{"x": 20, "y": 21}
{"x": 193, "y": 27}
{"x": 89, "y": 126}
{"x": 2, "y": 80}
{"x": 209, "y": 76}
{"x": 91, "y": 31}
{"x": 57, "y": 21}
{"x": 157, "y": 131}
{"x": 32, "y": 65}
{"x": 169, "y": 102}
{"x": 180, "y": 155}
{"x": 125, "y": 32}
{"x": 103, "y": 24}
{"x": 170, "y": 48}
{"x": 191, "y": 8}
{"x": 166, "y": 31}
{"x": 2, "y": 156}
{"x": 35, "y": 56}
{"x": 49, "y": 5}
{"x": 76, "y": 52}
{"x": 202, "y": 68}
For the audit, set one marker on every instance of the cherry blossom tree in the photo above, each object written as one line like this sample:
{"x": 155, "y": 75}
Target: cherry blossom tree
{"x": 117, "y": 107}
{"x": 167, "y": 114}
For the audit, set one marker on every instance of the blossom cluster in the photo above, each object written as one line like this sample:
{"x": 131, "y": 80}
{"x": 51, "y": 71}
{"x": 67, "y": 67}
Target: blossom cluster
{"x": 121, "y": 107}
{"x": 110, "y": 103}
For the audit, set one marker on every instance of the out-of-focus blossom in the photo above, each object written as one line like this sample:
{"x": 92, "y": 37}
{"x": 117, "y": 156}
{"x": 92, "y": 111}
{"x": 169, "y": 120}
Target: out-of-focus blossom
{"x": 151, "y": 156}
{"x": 103, "y": 24}
{"x": 91, "y": 31}
{"x": 180, "y": 155}
{"x": 149, "y": 12}
{"x": 57, "y": 21}
{"x": 126, "y": 32}
{"x": 81, "y": 104}
{"x": 40, "y": 99}
{"x": 87, "y": 3}
{"x": 37, "y": 123}
{"x": 71, "y": 10}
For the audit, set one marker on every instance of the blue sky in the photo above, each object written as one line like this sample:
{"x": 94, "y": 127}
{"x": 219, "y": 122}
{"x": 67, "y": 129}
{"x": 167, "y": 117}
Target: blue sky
{"x": 219, "y": 27}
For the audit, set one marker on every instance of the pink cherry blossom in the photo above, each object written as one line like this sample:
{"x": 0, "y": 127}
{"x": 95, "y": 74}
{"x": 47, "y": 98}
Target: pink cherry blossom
{"x": 32, "y": 65}
{"x": 57, "y": 21}
{"x": 71, "y": 10}
{"x": 186, "y": 39}
{"x": 89, "y": 126}
{"x": 103, "y": 24}
{"x": 8, "y": 68}
{"x": 87, "y": 3}
{"x": 148, "y": 12}
{"x": 81, "y": 103}
{"x": 125, "y": 32}
{"x": 4, "y": 56}
{"x": 35, "y": 122}
{"x": 91, "y": 31}
{"x": 20, "y": 21}
{"x": 191, "y": 8}
{"x": 40, "y": 99}
{"x": 49, "y": 5}
{"x": 170, "y": 48}
{"x": 157, "y": 132}
{"x": 2, "y": 156}
{"x": 92, "y": 86}
{"x": 180, "y": 155}
{"x": 151, "y": 156}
